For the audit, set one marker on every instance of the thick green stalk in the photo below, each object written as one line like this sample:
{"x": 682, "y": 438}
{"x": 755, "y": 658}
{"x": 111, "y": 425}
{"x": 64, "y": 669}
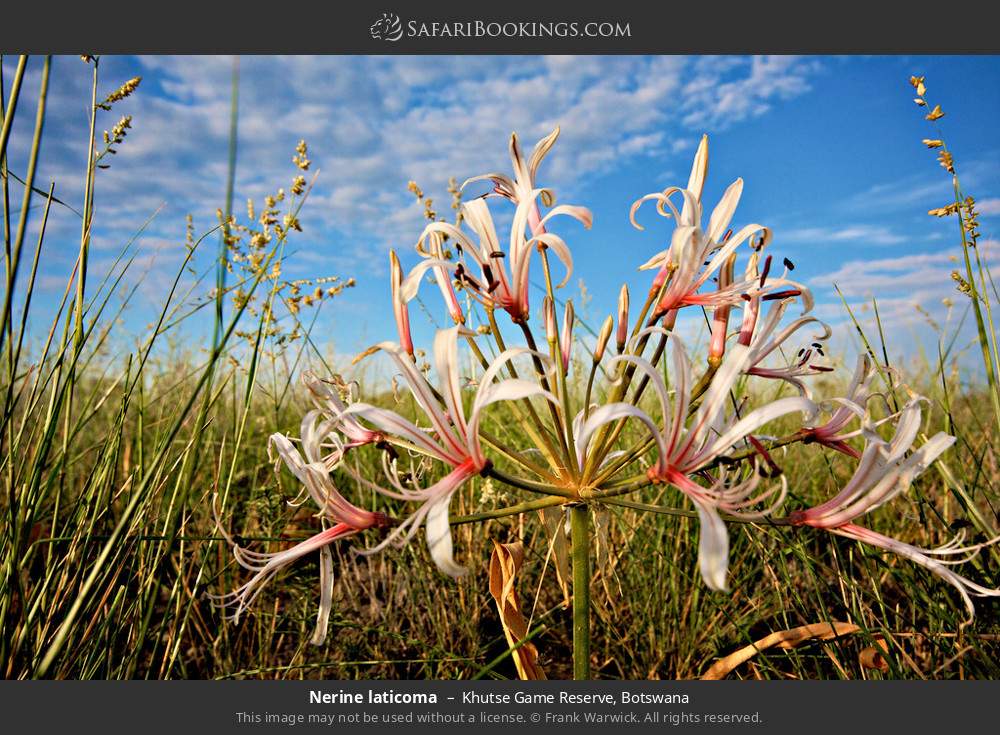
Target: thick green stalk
{"x": 580, "y": 537}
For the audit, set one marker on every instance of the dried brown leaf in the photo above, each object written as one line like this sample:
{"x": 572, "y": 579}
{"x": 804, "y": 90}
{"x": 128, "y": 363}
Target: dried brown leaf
{"x": 873, "y": 657}
{"x": 781, "y": 639}
{"x": 505, "y": 562}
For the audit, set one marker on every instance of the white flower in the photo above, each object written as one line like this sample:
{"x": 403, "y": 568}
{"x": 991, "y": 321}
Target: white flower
{"x": 885, "y": 471}
{"x": 686, "y": 445}
{"x": 452, "y": 439}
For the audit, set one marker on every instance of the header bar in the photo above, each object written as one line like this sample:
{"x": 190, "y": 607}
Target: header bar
{"x": 448, "y": 27}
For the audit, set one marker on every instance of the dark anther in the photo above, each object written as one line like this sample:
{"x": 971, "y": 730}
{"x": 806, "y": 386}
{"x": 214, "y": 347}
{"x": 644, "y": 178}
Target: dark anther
{"x": 767, "y": 269}
{"x": 781, "y": 295}
{"x": 774, "y": 469}
{"x": 387, "y": 448}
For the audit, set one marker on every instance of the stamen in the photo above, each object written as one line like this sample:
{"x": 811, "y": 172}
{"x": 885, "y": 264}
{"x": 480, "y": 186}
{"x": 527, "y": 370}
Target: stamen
{"x": 775, "y": 470}
{"x": 781, "y": 295}
{"x": 767, "y": 269}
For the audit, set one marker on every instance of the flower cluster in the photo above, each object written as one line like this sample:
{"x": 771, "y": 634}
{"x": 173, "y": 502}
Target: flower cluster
{"x": 702, "y": 434}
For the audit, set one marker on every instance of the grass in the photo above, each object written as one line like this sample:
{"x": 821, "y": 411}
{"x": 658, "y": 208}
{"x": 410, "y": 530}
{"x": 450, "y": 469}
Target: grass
{"x": 110, "y": 459}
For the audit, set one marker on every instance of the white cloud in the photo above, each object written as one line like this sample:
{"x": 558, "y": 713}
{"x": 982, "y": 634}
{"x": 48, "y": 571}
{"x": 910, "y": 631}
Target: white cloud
{"x": 373, "y": 123}
{"x": 905, "y": 193}
{"x": 989, "y": 207}
{"x": 712, "y": 98}
{"x": 899, "y": 285}
{"x": 861, "y": 234}
{"x": 901, "y": 273}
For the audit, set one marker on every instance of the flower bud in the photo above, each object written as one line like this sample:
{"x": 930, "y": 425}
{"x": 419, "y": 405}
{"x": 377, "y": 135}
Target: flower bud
{"x": 566, "y": 343}
{"x": 750, "y": 311}
{"x": 720, "y": 317}
{"x": 603, "y": 337}
{"x": 549, "y": 311}
{"x": 696, "y": 182}
{"x": 399, "y": 307}
{"x": 622, "y": 334}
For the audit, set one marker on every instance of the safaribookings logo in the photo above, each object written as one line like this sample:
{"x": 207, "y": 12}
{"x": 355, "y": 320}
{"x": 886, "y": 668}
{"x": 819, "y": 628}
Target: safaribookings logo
{"x": 387, "y": 28}
{"x": 390, "y": 28}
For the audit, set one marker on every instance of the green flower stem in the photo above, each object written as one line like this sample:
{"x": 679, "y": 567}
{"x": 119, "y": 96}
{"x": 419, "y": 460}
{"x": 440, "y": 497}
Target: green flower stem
{"x": 642, "y": 447}
{"x": 685, "y": 513}
{"x": 621, "y": 385}
{"x": 534, "y": 428}
{"x": 512, "y": 510}
{"x": 590, "y": 388}
{"x": 543, "y": 378}
{"x": 580, "y": 537}
{"x": 560, "y": 371}
{"x": 525, "y": 484}
{"x": 619, "y": 426}
{"x": 517, "y": 457}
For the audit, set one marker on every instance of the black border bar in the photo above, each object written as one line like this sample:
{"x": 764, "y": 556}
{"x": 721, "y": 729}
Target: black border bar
{"x": 654, "y": 27}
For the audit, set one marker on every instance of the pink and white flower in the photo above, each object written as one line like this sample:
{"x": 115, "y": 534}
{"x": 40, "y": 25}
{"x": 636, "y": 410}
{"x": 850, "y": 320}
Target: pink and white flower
{"x": 324, "y": 440}
{"x": 696, "y": 255}
{"x": 347, "y": 520}
{"x": 766, "y": 339}
{"x": 520, "y": 188}
{"x": 498, "y": 285}
{"x": 400, "y": 308}
{"x": 499, "y": 279}
{"x": 687, "y": 445}
{"x": 885, "y": 471}
{"x": 452, "y": 438}
{"x": 834, "y": 432}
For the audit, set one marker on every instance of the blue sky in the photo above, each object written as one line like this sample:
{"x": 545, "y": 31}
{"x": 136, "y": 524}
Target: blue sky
{"x": 829, "y": 149}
